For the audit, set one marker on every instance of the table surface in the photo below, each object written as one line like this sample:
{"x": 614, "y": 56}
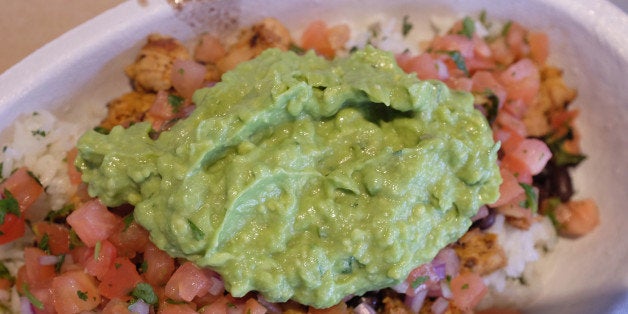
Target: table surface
{"x": 29, "y": 24}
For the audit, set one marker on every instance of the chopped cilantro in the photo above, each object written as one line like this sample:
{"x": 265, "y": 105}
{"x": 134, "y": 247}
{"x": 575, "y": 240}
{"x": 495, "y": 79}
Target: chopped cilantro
{"x": 465, "y": 286}
{"x": 176, "y": 102}
{"x": 468, "y": 27}
{"x": 458, "y": 60}
{"x": 145, "y": 292}
{"x": 32, "y": 175}
{"x": 55, "y": 215}
{"x": 531, "y": 201}
{"x": 196, "y": 231}
{"x": 59, "y": 263}
{"x": 128, "y": 220}
{"x": 101, "y": 130}
{"x": 39, "y": 132}
{"x": 5, "y": 273}
{"x": 419, "y": 281}
{"x": 406, "y": 26}
{"x": 483, "y": 20}
{"x": 44, "y": 243}
{"x": 506, "y": 28}
{"x": 97, "y": 249}
{"x": 34, "y": 301}
{"x": 82, "y": 295}
{"x": 8, "y": 205}
{"x": 143, "y": 267}
{"x": 549, "y": 210}
{"x": 296, "y": 49}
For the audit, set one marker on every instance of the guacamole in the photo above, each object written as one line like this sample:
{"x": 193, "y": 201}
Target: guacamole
{"x": 303, "y": 178}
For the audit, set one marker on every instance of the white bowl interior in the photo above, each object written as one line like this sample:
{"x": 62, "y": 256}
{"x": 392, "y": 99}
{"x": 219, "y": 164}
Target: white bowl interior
{"x": 84, "y": 68}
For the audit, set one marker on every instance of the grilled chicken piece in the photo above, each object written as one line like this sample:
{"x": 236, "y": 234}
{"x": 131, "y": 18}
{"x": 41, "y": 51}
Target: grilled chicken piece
{"x": 269, "y": 33}
{"x": 480, "y": 252}
{"x": 153, "y": 66}
{"x": 127, "y": 109}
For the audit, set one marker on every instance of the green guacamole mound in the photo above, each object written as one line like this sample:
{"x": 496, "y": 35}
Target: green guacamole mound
{"x": 304, "y": 178}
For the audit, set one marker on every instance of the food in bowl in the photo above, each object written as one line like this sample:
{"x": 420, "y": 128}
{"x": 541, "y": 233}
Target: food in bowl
{"x": 109, "y": 263}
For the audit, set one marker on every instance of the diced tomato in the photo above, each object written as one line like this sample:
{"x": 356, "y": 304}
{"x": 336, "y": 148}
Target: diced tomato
{"x": 484, "y": 81}
{"x": 81, "y": 254}
{"x": 460, "y": 83}
{"x": 209, "y": 49}
{"x": 129, "y": 238}
{"x": 539, "y": 47}
{"x": 510, "y": 123}
{"x": 534, "y": 153}
{"x": 116, "y": 306}
{"x": 468, "y": 289}
{"x": 99, "y": 263}
{"x": 517, "y": 167}
{"x": 454, "y": 42}
{"x": 509, "y": 189}
{"x": 516, "y": 40}
{"x": 159, "y": 265}
{"x": 251, "y": 306}
{"x": 12, "y": 229}
{"x": 170, "y": 308}
{"x": 73, "y": 173}
{"x": 315, "y": 37}
{"x": 577, "y": 218}
{"x": 75, "y": 292}
{"x": 424, "y": 65}
{"x": 5, "y": 284}
{"x": 516, "y": 107}
{"x": 187, "y": 76}
{"x": 93, "y": 222}
{"x": 37, "y": 274}
{"x": 24, "y": 188}
{"x": 58, "y": 236}
{"x": 501, "y": 52}
{"x": 522, "y": 80}
{"x": 187, "y": 282}
{"x": 120, "y": 279}
{"x": 43, "y": 295}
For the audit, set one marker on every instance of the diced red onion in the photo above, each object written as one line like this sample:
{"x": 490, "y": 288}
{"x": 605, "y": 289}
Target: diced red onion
{"x": 440, "y": 306}
{"x": 440, "y": 270}
{"x": 451, "y": 260}
{"x": 271, "y": 307}
{"x": 216, "y": 286}
{"x": 482, "y": 212}
{"x": 364, "y": 308}
{"x": 414, "y": 303}
{"x": 48, "y": 260}
{"x": 139, "y": 307}
{"x": 445, "y": 290}
{"x": 402, "y": 287}
{"x": 443, "y": 71}
{"x": 25, "y": 306}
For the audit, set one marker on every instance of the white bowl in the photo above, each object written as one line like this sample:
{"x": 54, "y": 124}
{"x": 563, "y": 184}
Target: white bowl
{"x": 84, "y": 68}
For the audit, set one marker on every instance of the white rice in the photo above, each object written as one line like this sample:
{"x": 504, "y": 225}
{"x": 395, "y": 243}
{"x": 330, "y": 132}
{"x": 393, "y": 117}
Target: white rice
{"x": 518, "y": 283}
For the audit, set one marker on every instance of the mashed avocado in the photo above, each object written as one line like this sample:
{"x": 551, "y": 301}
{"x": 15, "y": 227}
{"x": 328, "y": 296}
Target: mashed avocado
{"x": 304, "y": 178}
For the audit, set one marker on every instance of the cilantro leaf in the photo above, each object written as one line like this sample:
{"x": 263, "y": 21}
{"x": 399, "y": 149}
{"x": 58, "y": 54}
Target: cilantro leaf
{"x": 532, "y": 201}
{"x": 419, "y": 281}
{"x": 468, "y": 27}
{"x": 8, "y": 205}
{"x": 176, "y": 102}
{"x": 145, "y": 292}
{"x": 406, "y": 26}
